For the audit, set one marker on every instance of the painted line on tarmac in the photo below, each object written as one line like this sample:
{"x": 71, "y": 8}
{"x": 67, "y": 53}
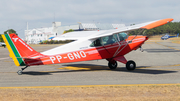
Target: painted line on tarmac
{"x": 85, "y": 68}
{"x": 85, "y": 86}
{"x": 4, "y": 58}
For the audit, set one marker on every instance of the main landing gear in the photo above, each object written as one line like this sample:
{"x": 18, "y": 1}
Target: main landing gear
{"x": 20, "y": 71}
{"x": 112, "y": 64}
{"x": 130, "y": 65}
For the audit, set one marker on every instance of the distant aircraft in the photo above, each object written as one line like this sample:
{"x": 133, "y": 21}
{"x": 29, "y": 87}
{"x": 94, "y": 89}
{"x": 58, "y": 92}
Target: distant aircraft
{"x": 2, "y": 44}
{"x": 165, "y": 37}
{"x": 111, "y": 45}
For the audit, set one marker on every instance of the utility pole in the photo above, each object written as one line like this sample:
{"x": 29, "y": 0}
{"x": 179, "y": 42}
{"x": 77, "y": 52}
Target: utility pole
{"x": 26, "y": 33}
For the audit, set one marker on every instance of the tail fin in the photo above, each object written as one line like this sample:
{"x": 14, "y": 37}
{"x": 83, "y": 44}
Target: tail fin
{"x": 18, "y": 49}
{"x": 177, "y": 34}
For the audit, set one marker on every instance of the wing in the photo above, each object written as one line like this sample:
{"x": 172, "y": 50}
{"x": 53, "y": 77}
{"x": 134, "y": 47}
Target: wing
{"x": 147, "y": 25}
{"x": 102, "y": 33}
{"x": 75, "y": 35}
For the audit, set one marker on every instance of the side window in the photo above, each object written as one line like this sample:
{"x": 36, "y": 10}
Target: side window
{"x": 97, "y": 42}
{"x": 108, "y": 40}
{"x": 122, "y": 36}
{"x": 116, "y": 36}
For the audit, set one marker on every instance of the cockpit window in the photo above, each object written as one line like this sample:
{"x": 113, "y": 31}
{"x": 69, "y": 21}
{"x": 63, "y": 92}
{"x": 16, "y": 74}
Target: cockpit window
{"x": 97, "y": 42}
{"x": 108, "y": 40}
{"x": 122, "y": 36}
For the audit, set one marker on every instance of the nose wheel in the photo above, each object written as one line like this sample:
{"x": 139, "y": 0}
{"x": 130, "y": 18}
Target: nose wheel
{"x": 130, "y": 65}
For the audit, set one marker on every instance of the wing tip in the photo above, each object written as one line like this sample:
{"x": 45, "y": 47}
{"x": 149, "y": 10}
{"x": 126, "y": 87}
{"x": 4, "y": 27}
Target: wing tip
{"x": 157, "y": 23}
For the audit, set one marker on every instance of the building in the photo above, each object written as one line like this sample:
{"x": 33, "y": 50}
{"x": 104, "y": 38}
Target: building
{"x": 35, "y": 36}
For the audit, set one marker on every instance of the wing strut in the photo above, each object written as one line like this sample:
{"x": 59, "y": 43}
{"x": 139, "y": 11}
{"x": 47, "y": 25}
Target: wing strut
{"x": 118, "y": 51}
{"x": 137, "y": 34}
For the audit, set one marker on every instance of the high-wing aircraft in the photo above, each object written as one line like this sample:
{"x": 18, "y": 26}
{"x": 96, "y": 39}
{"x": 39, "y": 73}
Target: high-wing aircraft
{"x": 165, "y": 37}
{"x": 111, "y": 45}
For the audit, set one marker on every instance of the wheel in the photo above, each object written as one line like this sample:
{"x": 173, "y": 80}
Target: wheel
{"x": 112, "y": 65}
{"x": 130, "y": 65}
{"x": 19, "y": 72}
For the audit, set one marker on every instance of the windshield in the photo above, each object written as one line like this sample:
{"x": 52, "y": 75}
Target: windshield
{"x": 104, "y": 41}
{"x": 122, "y": 36}
{"x": 108, "y": 40}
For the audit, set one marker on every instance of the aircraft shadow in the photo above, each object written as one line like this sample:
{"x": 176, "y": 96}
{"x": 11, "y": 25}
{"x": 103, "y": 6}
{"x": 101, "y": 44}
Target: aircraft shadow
{"x": 149, "y": 71}
{"x": 91, "y": 67}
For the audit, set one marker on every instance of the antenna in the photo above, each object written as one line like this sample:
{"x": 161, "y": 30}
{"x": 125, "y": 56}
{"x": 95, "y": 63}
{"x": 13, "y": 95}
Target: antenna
{"x": 54, "y": 17}
{"x": 27, "y": 26}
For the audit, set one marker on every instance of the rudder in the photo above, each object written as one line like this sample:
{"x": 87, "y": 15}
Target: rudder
{"x": 18, "y": 49}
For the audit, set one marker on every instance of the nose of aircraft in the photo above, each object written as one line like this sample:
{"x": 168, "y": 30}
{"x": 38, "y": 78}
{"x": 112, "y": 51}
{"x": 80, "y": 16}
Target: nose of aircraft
{"x": 146, "y": 38}
{"x": 138, "y": 38}
{"x": 142, "y": 38}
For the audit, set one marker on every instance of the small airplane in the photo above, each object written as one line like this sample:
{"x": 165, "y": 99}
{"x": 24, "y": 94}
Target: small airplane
{"x": 2, "y": 44}
{"x": 111, "y": 45}
{"x": 165, "y": 37}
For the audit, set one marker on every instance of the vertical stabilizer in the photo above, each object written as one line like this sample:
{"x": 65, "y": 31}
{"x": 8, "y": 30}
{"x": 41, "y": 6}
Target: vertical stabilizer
{"x": 18, "y": 49}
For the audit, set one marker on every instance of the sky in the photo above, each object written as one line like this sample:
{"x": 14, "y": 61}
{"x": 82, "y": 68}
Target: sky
{"x": 14, "y": 14}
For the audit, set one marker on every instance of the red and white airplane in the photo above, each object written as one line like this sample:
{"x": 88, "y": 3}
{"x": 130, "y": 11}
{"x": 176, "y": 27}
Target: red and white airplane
{"x": 111, "y": 45}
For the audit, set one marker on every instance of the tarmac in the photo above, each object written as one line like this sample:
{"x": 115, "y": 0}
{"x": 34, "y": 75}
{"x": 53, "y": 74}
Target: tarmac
{"x": 158, "y": 64}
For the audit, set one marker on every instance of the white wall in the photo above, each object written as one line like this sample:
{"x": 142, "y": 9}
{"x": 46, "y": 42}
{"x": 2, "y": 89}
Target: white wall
{"x": 34, "y": 36}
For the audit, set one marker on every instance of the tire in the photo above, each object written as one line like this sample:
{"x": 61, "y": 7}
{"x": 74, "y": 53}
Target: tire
{"x": 130, "y": 65}
{"x": 19, "y": 72}
{"x": 112, "y": 65}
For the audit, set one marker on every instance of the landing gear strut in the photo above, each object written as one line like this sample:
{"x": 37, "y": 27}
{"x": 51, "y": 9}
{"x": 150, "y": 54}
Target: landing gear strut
{"x": 20, "y": 71}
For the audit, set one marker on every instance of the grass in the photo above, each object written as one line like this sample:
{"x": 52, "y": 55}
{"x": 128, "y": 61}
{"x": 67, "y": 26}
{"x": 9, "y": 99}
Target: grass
{"x": 158, "y": 39}
{"x": 175, "y": 40}
{"x": 97, "y": 93}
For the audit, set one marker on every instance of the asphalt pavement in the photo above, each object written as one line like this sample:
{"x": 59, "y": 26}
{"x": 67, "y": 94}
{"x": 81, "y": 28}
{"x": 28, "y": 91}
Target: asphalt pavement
{"x": 158, "y": 64}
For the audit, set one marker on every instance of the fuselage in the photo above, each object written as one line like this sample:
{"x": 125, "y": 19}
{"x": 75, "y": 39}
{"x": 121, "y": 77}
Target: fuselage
{"x": 83, "y": 50}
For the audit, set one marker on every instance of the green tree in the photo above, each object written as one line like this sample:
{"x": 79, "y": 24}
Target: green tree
{"x": 71, "y": 30}
{"x": 170, "y": 28}
{"x": 1, "y": 39}
{"x": 10, "y": 31}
